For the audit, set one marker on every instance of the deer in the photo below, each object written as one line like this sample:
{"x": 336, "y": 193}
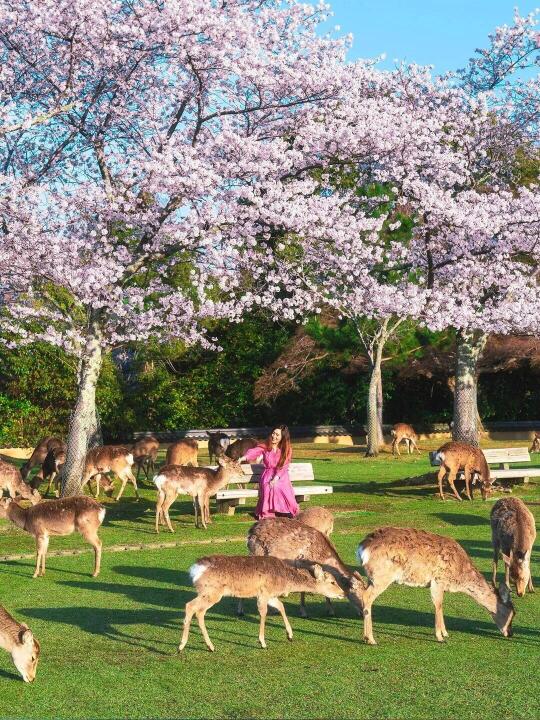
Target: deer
{"x": 513, "y": 532}
{"x": 58, "y": 517}
{"x": 535, "y": 447}
{"x": 11, "y": 480}
{"x": 239, "y": 447}
{"x": 183, "y": 452}
{"x": 52, "y": 468}
{"x": 456, "y": 456}
{"x": 422, "y": 559}
{"x": 18, "y": 640}
{"x": 289, "y": 539}
{"x": 109, "y": 458}
{"x": 200, "y": 483}
{"x": 218, "y": 443}
{"x": 38, "y": 456}
{"x": 402, "y": 431}
{"x": 144, "y": 453}
{"x": 319, "y": 518}
{"x": 265, "y": 578}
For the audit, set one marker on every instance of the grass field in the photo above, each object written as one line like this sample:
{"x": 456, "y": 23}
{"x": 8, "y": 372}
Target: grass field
{"x": 109, "y": 644}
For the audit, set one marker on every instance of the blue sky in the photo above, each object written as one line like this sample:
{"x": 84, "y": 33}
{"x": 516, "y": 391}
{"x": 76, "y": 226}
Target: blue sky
{"x": 443, "y": 33}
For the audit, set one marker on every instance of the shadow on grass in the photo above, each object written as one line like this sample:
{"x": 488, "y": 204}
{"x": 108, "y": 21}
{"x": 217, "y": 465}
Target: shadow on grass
{"x": 460, "y": 519}
{"x": 10, "y": 675}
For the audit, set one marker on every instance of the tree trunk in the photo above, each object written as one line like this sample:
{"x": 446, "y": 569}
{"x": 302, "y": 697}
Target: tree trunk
{"x": 470, "y": 345}
{"x": 374, "y": 407}
{"x": 84, "y": 431}
{"x": 380, "y": 411}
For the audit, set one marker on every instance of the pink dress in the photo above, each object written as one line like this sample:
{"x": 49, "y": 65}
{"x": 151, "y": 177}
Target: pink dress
{"x": 278, "y": 498}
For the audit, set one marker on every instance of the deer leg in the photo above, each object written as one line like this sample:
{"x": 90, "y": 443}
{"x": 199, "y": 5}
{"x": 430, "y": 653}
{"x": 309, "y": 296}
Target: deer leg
{"x": 131, "y": 477}
{"x": 507, "y": 573}
{"x": 371, "y": 594}
{"x": 467, "y": 476}
{"x": 329, "y": 607}
{"x": 91, "y": 536}
{"x": 437, "y": 594}
{"x": 415, "y": 446}
{"x": 276, "y": 603}
{"x": 42, "y": 543}
{"x": 124, "y": 477}
{"x": 262, "y": 606}
{"x": 495, "y": 563}
{"x": 303, "y": 611}
{"x": 240, "y": 608}
{"x": 98, "y": 482}
{"x": 530, "y": 586}
{"x": 440, "y": 478}
{"x": 195, "y": 506}
{"x": 198, "y": 607}
{"x": 159, "y": 506}
{"x": 165, "y": 511}
{"x": 451, "y": 477}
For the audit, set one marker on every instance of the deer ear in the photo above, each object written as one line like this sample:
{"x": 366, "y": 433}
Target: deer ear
{"x": 317, "y": 572}
{"x": 25, "y": 635}
{"x": 504, "y": 592}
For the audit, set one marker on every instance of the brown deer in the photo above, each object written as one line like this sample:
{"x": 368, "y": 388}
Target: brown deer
{"x": 58, "y": 517}
{"x": 18, "y": 640}
{"x": 52, "y": 468}
{"x": 402, "y": 431}
{"x": 265, "y": 578}
{"x": 218, "y": 443}
{"x": 239, "y": 447}
{"x": 422, "y": 559}
{"x": 456, "y": 456}
{"x": 109, "y": 458}
{"x": 292, "y": 540}
{"x": 319, "y": 518}
{"x": 200, "y": 483}
{"x": 145, "y": 453}
{"x": 183, "y": 452}
{"x": 535, "y": 447}
{"x": 513, "y": 532}
{"x": 11, "y": 480}
{"x": 38, "y": 456}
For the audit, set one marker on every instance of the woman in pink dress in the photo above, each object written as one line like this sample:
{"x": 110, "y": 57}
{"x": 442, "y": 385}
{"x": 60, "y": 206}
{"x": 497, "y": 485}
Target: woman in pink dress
{"x": 276, "y": 494}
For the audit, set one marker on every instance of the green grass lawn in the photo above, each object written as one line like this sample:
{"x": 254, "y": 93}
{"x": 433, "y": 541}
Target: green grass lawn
{"x": 109, "y": 644}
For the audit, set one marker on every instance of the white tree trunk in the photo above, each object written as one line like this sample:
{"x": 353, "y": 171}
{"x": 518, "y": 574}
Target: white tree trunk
{"x": 374, "y": 406}
{"x": 84, "y": 428}
{"x": 470, "y": 345}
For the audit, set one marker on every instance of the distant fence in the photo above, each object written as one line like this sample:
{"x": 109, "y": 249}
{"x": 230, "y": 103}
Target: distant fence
{"x": 322, "y": 431}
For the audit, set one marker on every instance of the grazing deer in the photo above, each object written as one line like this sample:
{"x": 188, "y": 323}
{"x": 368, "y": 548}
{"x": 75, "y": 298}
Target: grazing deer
{"x": 200, "y": 483}
{"x": 38, "y": 456}
{"x": 109, "y": 458}
{"x": 183, "y": 452}
{"x": 144, "y": 453}
{"x": 422, "y": 559}
{"x": 319, "y": 518}
{"x": 218, "y": 443}
{"x": 11, "y": 480}
{"x": 265, "y": 578}
{"x": 239, "y": 447}
{"x": 402, "y": 431}
{"x": 535, "y": 447}
{"x": 456, "y": 456}
{"x": 52, "y": 468}
{"x": 292, "y": 540}
{"x": 18, "y": 640}
{"x": 513, "y": 532}
{"x": 58, "y": 517}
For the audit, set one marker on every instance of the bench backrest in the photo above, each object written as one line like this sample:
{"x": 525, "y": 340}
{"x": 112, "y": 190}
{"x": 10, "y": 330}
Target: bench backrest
{"x": 297, "y": 472}
{"x": 496, "y": 455}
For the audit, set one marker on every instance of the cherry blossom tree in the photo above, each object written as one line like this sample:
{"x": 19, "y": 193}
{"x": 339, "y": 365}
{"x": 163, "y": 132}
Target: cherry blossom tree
{"x": 134, "y": 212}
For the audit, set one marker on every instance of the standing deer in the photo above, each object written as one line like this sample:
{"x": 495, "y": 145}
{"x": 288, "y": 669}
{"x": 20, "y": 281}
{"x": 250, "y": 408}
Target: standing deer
{"x": 218, "y": 443}
{"x": 200, "y": 483}
{"x": 11, "y": 480}
{"x": 535, "y": 447}
{"x": 292, "y": 540}
{"x": 38, "y": 456}
{"x": 456, "y": 456}
{"x": 18, "y": 640}
{"x": 52, "y": 468}
{"x": 265, "y": 578}
{"x": 109, "y": 458}
{"x": 239, "y": 447}
{"x": 58, "y": 517}
{"x": 402, "y": 431}
{"x": 422, "y": 559}
{"x": 145, "y": 453}
{"x": 513, "y": 532}
{"x": 183, "y": 452}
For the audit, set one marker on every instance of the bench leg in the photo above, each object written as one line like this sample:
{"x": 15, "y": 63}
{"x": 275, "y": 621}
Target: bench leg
{"x": 303, "y": 498}
{"x": 525, "y": 479}
{"x": 228, "y": 506}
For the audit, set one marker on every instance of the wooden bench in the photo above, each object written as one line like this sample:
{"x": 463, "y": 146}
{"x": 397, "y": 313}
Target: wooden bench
{"x": 503, "y": 457}
{"x": 228, "y": 500}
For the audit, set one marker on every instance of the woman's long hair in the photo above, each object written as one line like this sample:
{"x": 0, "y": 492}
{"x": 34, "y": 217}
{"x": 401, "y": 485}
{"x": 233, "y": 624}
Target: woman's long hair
{"x": 284, "y": 445}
